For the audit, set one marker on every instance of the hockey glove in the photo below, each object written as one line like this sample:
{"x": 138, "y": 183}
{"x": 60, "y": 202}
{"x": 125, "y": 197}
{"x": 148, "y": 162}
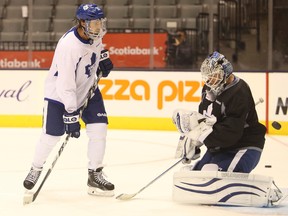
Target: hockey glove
{"x": 71, "y": 123}
{"x": 186, "y": 120}
{"x": 187, "y": 149}
{"x": 105, "y": 64}
{"x": 200, "y": 132}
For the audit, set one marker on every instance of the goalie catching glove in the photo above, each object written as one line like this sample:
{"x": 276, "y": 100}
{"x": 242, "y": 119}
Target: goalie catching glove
{"x": 71, "y": 124}
{"x": 186, "y": 120}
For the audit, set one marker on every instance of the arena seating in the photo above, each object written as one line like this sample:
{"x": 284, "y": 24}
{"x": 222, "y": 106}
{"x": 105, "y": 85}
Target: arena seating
{"x": 51, "y": 17}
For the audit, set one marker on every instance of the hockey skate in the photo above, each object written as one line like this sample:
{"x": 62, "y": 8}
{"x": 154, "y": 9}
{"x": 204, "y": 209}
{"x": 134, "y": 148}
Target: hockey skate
{"x": 32, "y": 177}
{"x": 275, "y": 196}
{"x": 97, "y": 185}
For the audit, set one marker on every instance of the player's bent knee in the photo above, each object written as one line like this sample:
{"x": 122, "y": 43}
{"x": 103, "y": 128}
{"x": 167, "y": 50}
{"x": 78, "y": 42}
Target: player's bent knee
{"x": 96, "y": 130}
{"x": 49, "y": 139}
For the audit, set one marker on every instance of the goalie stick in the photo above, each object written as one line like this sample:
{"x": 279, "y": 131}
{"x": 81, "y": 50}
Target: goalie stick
{"x": 124, "y": 196}
{"x": 261, "y": 100}
{"x": 30, "y": 197}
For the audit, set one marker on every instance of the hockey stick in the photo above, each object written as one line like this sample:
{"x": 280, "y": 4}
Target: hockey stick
{"x": 30, "y": 197}
{"x": 261, "y": 100}
{"x": 275, "y": 124}
{"x": 124, "y": 196}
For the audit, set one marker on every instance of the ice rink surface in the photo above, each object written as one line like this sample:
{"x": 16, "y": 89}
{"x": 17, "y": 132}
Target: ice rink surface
{"x": 133, "y": 159}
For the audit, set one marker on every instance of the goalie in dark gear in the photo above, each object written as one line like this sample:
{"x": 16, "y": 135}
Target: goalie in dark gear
{"x": 236, "y": 142}
{"x": 234, "y": 137}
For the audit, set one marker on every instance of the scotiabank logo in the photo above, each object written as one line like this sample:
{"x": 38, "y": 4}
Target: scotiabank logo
{"x": 15, "y": 63}
{"x": 132, "y": 51}
{"x": 20, "y": 59}
{"x": 140, "y": 90}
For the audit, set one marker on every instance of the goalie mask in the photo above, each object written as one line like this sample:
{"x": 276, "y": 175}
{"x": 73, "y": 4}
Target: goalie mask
{"x": 95, "y": 22}
{"x": 215, "y": 71}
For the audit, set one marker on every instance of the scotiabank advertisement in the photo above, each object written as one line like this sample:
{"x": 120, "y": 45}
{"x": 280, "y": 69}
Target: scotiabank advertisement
{"x": 126, "y": 50}
{"x": 133, "y": 49}
{"x": 19, "y": 59}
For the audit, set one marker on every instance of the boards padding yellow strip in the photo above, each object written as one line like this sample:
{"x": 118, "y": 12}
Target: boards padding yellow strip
{"x": 129, "y": 123}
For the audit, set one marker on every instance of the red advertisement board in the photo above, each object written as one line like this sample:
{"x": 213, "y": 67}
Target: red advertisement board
{"x": 133, "y": 49}
{"x": 19, "y": 59}
{"x": 127, "y": 50}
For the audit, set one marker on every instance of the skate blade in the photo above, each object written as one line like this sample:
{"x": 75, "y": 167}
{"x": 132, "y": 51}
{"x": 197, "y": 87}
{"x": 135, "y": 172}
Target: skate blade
{"x": 28, "y": 198}
{"x": 98, "y": 192}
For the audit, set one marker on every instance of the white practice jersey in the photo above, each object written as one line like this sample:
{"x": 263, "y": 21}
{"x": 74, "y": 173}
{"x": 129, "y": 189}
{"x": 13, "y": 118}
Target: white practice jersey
{"x": 73, "y": 70}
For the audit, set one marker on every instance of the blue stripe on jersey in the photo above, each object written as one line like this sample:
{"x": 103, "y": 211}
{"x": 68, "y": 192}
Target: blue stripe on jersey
{"x": 79, "y": 37}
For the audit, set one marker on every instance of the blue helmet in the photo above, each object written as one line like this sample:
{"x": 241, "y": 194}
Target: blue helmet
{"x": 89, "y": 12}
{"x": 95, "y": 21}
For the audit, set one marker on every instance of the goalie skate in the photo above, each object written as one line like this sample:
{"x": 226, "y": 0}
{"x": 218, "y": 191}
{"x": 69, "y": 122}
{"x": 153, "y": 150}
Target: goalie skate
{"x": 97, "y": 185}
{"x": 275, "y": 196}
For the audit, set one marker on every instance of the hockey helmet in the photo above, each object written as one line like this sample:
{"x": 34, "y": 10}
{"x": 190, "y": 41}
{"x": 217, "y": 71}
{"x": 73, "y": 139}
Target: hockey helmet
{"x": 95, "y": 21}
{"x": 215, "y": 70}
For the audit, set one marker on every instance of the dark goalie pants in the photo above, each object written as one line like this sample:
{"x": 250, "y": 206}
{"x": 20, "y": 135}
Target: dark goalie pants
{"x": 243, "y": 160}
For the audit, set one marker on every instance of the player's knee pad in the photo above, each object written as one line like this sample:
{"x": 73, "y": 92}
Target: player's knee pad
{"x": 96, "y": 131}
{"x": 49, "y": 140}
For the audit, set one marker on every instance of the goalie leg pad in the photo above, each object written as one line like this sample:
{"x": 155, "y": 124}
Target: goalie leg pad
{"x": 210, "y": 167}
{"x": 224, "y": 188}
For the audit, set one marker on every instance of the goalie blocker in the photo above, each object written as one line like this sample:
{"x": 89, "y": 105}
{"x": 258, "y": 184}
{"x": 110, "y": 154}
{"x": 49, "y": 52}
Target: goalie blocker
{"x": 225, "y": 188}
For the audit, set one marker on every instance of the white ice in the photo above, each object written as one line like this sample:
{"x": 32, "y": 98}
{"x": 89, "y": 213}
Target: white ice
{"x": 133, "y": 159}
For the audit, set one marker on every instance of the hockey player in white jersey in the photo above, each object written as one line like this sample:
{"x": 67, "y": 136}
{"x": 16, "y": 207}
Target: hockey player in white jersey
{"x": 75, "y": 65}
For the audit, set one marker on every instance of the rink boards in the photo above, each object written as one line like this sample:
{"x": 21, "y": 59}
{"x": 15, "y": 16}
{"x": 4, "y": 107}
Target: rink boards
{"x": 139, "y": 99}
